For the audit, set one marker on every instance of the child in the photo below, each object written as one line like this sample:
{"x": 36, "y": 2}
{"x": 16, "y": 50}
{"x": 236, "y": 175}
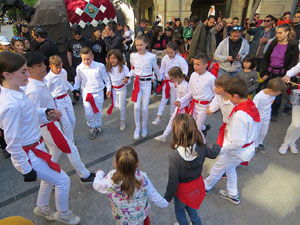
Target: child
{"x": 17, "y": 44}
{"x": 4, "y": 44}
{"x": 263, "y": 101}
{"x": 55, "y": 139}
{"x": 143, "y": 62}
{"x": 171, "y": 59}
{"x": 20, "y": 122}
{"x": 249, "y": 75}
{"x": 91, "y": 76}
{"x": 59, "y": 86}
{"x": 185, "y": 167}
{"x": 128, "y": 189}
{"x": 201, "y": 91}
{"x": 221, "y": 101}
{"x": 238, "y": 146}
{"x": 181, "y": 83}
{"x": 117, "y": 72}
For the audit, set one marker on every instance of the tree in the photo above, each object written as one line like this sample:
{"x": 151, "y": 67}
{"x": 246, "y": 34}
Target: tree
{"x": 253, "y": 10}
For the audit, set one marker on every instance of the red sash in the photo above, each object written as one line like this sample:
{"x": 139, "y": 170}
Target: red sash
{"x": 186, "y": 109}
{"x": 42, "y": 155}
{"x": 191, "y": 109}
{"x": 62, "y": 96}
{"x": 220, "y": 139}
{"x": 110, "y": 109}
{"x": 89, "y": 98}
{"x": 249, "y": 108}
{"x": 191, "y": 193}
{"x": 167, "y": 90}
{"x": 136, "y": 87}
{"x": 58, "y": 137}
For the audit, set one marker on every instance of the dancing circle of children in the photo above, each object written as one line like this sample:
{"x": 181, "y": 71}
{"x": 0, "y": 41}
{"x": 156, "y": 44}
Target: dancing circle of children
{"x": 91, "y": 77}
{"x": 20, "y": 121}
{"x": 238, "y": 145}
{"x": 59, "y": 86}
{"x": 201, "y": 90}
{"x": 180, "y": 81}
{"x": 185, "y": 183}
{"x": 117, "y": 71}
{"x": 128, "y": 189}
{"x": 142, "y": 62}
{"x": 171, "y": 59}
{"x": 55, "y": 140}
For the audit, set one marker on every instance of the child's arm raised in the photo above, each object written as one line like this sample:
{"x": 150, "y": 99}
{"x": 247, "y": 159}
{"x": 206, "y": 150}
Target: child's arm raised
{"x": 154, "y": 196}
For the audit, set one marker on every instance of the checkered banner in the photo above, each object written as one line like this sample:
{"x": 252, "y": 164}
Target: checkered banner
{"x": 90, "y": 12}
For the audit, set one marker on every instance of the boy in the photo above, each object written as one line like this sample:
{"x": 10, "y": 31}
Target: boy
{"x": 263, "y": 101}
{"x": 55, "y": 139}
{"x": 58, "y": 85}
{"x": 201, "y": 91}
{"x": 238, "y": 145}
{"x": 92, "y": 77}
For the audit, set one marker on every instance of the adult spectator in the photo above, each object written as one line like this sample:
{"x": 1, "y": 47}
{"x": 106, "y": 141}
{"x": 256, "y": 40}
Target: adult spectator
{"x": 194, "y": 22}
{"x": 46, "y": 46}
{"x": 141, "y": 28}
{"x": 231, "y": 52}
{"x": 198, "y": 43}
{"x": 261, "y": 36}
{"x": 220, "y": 32}
{"x": 74, "y": 46}
{"x": 281, "y": 55}
{"x": 296, "y": 23}
{"x": 235, "y": 22}
{"x": 24, "y": 32}
{"x": 98, "y": 46}
{"x": 178, "y": 29}
{"x": 169, "y": 32}
{"x": 159, "y": 40}
{"x": 112, "y": 38}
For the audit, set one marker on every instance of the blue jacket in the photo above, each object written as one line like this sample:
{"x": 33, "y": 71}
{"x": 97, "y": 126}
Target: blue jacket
{"x": 258, "y": 33}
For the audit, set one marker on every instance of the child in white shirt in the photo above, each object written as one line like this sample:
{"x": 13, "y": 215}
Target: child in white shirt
{"x": 91, "y": 77}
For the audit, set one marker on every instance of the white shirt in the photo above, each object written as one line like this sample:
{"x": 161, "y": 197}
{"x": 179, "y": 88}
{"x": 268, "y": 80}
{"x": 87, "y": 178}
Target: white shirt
{"x": 167, "y": 64}
{"x": 263, "y": 104}
{"x": 91, "y": 79}
{"x": 19, "y": 120}
{"x": 116, "y": 76}
{"x": 201, "y": 87}
{"x": 182, "y": 89}
{"x": 143, "y": 64}
{"x": 58, "y": 84}
{"x": 242, "y": 130}
{"x": 225, "y": 106}
{"x": 294, "y": 71}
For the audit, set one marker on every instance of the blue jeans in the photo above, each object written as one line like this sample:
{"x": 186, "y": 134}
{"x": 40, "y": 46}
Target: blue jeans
{"x": 180, "y": 208}
{"x": 221, "y": 71}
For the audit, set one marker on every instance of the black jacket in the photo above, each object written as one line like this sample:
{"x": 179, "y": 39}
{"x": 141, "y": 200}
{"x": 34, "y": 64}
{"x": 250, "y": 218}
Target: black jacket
{"x": 114, "y": 42}
{"x": 290, "y": 57}
{"x": 181, "y": 171}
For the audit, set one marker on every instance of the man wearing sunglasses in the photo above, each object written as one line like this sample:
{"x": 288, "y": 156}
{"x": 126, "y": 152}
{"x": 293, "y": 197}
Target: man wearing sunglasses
{"x": 296, "y": 23}
{"x": 261, "y": 36}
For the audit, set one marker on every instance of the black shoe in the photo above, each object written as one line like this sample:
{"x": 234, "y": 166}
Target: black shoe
{"x": 90, "y": 179}
{"x": 224, "y": 176}
{"x": 286, "y": 111}
{"x": 5, "y": 154}
{"x": 261, "y": 148}
{"x": 274, "y": 118}
{"x": 207, "y": 127}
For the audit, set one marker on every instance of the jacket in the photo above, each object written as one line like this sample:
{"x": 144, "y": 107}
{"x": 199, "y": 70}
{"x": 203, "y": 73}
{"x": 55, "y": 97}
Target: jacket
{"x": 258, "y": 33}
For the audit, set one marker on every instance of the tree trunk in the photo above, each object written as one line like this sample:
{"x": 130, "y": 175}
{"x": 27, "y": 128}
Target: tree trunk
{"x": 253, "y": 10}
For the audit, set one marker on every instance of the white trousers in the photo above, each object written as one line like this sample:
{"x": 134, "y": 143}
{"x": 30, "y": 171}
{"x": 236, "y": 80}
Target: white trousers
{"x": 74, "y": 156}
{"x": 68, "y": 117}
{"x": 225, "y": 164}
{"x": 293, "y": 132}
{"x": 120, "y": 100}
{"x": 168, "y": 129}
{"x": 49, "y": 179}
{"x": 93, "y": 119}
{"x": 200, "y": 115}
{"x": 144, "y": 96}
{"x": 164, "y": 100}
{"x": 264, "y": 127}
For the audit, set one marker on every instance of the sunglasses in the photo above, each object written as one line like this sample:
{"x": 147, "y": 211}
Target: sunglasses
{"x": 267, "y": 20}
{"x": 17, "y": 38}
{"x": 237, "y": 28}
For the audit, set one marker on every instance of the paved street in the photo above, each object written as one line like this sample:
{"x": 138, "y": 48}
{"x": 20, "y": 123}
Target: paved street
{"x": 269, "y": 187}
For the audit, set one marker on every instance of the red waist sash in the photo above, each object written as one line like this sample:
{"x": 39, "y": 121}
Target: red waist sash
{"x": 167, "y": 90}
{"x": 191, "y": 110}
{"x": 60, "y": 97}
{"x": 89, "y": 98}
{"x": 136, "y": 87}
{"x": 110, "y": 109}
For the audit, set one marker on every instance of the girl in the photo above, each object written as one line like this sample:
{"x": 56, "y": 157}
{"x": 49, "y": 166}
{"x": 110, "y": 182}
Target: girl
{"x": 181, "y": 82}
{"x": 185, "y": 183}
{"x": 142, "y": 62}
{"x": 171, "y": 59}
{"x": 117, "y": 71}
{"x": 249, "y": 75}
{"x": 129, "y": 189}
{"x": 17, "y": 44}
{"x": 98, "y": 46}
{"x": 20, "y": 121}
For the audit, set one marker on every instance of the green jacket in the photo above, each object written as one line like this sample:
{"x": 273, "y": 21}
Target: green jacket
{"x": 187, "y": 33}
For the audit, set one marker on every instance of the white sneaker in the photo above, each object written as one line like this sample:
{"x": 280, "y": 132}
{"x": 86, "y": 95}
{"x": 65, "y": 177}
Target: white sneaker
{"x": 122, "y": 125}
{"x": 293, "y": 149}
{"x": 156, "y": 121}
{"x": 161, "y": 138}
{"x": 144, "y": 132}
{"x": 136, "y": 135}
{"x": 48, "y": 214}
{"x": 283, "y": 149}
{"x": 69, "y": 219}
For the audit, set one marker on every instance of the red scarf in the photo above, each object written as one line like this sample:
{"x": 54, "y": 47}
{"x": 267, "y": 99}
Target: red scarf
{"x": 249, "y": 108}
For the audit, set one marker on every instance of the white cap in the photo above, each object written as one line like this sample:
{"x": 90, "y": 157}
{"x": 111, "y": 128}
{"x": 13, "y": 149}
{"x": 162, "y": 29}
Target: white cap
{"x": 4, "y": 40}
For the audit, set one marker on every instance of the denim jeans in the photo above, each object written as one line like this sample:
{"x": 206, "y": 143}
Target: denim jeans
{"x": 180, "y": 208}
{"x": 233, "y": 74}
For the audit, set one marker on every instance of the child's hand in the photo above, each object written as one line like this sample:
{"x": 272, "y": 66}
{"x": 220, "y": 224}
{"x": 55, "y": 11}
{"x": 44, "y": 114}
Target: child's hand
{"x": 178, "y": 104}
{"x": 229, "y": 58}
{"x": 108, "y": 94}
{"x": 53, "y": 115}
{"x": 208, "y": 112}
{"x": 125, "y": 80}
{"x": 265, "y": 77}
